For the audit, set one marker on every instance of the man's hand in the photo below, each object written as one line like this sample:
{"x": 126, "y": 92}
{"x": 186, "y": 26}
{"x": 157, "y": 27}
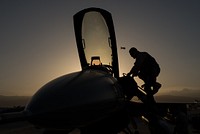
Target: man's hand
{"x": 128, "y": 74}
{"x": 131, "y": 75}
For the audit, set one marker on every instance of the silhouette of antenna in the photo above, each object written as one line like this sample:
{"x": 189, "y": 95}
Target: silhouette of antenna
{"x": 123, "y": 47}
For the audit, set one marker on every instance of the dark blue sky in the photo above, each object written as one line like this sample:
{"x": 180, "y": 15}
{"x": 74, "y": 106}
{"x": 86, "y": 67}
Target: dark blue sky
{"x": 37, "y": 42}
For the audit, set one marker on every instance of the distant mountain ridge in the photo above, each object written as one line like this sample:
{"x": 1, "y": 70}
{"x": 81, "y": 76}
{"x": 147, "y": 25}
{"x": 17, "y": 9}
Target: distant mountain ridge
{"x": 186, "y": 92}
{"x": 175, "y": 99}
{"x": 10, "y": 101}
{"x": 184, "y": 96}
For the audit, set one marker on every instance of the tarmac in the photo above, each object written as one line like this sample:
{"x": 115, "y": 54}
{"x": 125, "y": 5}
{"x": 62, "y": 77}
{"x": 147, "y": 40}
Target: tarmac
{"x": 25, "y": 127}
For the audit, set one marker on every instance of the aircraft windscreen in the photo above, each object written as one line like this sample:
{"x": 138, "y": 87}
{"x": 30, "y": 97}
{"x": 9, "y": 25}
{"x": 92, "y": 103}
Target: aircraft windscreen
{"x": 96, "y": 39}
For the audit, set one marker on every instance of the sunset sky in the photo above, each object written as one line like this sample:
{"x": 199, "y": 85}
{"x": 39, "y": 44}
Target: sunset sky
{"x": 37, "y": 41}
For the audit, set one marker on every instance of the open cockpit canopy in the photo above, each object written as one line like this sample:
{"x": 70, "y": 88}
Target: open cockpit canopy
{"x": 96, "y": 40}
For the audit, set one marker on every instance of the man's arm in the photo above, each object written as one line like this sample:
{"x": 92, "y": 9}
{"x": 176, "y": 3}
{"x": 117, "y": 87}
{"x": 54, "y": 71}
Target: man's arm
{"x": 133, "y": 71}
{"x": 138, "y": 63}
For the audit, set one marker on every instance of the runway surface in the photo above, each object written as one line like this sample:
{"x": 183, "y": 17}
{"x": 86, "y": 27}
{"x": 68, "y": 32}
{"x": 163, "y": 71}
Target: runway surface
{"x": 27, "y": 128}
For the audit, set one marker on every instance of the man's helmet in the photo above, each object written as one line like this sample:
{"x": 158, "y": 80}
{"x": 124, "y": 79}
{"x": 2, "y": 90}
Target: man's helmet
{"x": 133, "y": 52}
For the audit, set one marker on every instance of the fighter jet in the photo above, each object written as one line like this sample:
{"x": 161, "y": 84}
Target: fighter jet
{"x": 95, "y": 100}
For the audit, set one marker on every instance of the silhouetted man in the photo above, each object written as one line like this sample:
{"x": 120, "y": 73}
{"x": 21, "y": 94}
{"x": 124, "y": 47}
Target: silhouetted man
{"x": 147, "y": 69}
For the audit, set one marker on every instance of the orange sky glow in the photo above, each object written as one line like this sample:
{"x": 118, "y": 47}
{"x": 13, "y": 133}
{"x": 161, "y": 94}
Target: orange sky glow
{"x": 38, "y": 44}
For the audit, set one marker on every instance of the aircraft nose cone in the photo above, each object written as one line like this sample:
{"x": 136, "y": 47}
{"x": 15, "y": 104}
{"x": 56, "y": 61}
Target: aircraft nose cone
{"x": 50, "y": 96}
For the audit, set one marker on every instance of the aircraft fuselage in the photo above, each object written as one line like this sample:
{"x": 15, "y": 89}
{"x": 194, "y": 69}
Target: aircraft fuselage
{"x": 77, "y": 99}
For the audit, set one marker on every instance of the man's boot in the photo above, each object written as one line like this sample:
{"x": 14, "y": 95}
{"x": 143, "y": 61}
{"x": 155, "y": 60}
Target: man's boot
{"x": 156, "y": 87}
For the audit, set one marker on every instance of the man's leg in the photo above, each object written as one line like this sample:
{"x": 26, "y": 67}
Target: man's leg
{"x": 148, "y": 84}
{"x": 151, "y": 85}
